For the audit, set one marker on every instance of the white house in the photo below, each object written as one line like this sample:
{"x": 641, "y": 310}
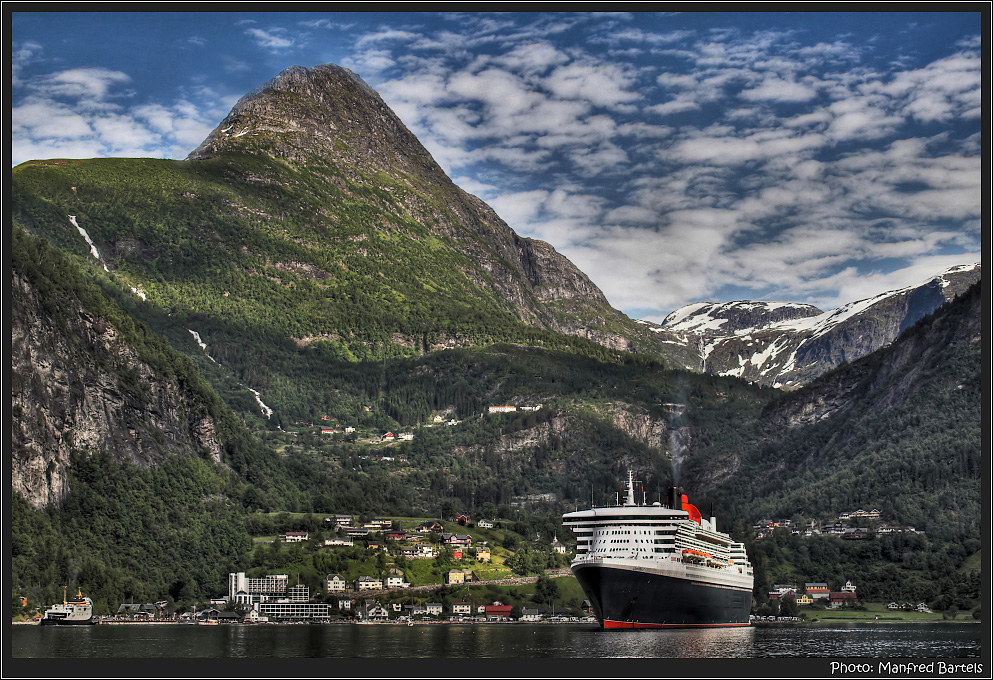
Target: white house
{"x": 334, "y": 583}
{"x": 461, "y": 608}
{"x": 395, "y": 580}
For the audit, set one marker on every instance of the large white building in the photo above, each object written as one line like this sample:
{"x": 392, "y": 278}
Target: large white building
{"x": 245, "y": 590}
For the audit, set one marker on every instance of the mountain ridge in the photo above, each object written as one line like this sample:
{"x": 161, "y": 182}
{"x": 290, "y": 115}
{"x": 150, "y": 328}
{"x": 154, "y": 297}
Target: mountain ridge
{"x": 788, "y": 344}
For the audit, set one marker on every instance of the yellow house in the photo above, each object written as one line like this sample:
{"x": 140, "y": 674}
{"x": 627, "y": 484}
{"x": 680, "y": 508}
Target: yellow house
{"x": 803, "y": 599}
{"x": 454, "y": 576}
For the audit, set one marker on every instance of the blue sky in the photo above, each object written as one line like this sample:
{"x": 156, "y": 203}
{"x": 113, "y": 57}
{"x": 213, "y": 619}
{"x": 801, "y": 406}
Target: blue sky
{"x": 674, "y": 157}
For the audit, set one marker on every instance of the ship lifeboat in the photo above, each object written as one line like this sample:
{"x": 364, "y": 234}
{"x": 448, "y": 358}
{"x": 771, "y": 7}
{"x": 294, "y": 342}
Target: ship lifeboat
{"x": 691, "y": 555}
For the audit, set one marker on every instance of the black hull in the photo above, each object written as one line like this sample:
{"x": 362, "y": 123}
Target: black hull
{"x": 622, "y": 598}
{"x": 62, "y": 622}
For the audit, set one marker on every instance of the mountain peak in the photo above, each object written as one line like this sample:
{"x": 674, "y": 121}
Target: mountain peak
{"x": 327, "y": 111}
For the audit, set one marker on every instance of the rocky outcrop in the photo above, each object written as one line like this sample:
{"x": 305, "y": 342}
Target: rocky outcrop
{"x": 77, "y": 387}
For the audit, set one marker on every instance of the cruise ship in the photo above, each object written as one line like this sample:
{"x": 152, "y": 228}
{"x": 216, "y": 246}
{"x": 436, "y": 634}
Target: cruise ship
{"x": 659, "y": 566}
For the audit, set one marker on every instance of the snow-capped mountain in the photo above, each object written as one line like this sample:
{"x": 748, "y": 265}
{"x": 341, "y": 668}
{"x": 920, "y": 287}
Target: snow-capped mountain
{"x": 787, "y": 345}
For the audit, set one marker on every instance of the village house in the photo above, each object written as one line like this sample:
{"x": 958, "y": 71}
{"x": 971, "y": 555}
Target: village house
{"x": 558, "y": 546}
{"x": 428, "y": 527}
{"x": 368, "y": 583}
{"x": 334, "y": 583}
{"x": 497, "y": 611}
{"x": 295, "y": 537}
{"x": 840, "y": 599}
{"x": 425, "y": 551}
{"x": 433, "y": 608}
{"x": 804, "y": 599}
{"x": 139, "y": 612}
{"x": 373, "y": 611}
{"x": 464, "y": 540}
{"x": 860, "y": 514}
{"x": 818, "y": 591}
{"x": 853, "y": 534}
{"x": 338, "y": 542}
{"x": 344, "y": 604}
{"x": 485, "y": 524}
{"x": 461, "y": 608}
{"x": 395, "y": 580}
{"x": 454, "y": 577}
{"x": 502, "y": 409}
{"x": 482, "y": 553}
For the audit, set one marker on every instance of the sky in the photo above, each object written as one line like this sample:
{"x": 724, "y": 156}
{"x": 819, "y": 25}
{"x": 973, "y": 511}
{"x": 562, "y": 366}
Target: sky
{"x": 681, "y": 157}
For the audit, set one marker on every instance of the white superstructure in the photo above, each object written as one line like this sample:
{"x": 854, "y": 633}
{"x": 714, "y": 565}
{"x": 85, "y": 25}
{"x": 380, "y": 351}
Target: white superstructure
{"x": 675, "y": 540}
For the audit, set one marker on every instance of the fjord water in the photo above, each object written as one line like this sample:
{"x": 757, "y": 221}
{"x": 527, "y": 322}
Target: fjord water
{"x": 494, "y": 641}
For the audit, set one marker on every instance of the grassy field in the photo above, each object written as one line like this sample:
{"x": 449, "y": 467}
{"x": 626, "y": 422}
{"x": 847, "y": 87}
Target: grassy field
{"x": 876, "y": 612}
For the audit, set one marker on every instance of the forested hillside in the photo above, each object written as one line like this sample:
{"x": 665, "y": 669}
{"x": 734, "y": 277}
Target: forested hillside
{"x": 899, "y": 431}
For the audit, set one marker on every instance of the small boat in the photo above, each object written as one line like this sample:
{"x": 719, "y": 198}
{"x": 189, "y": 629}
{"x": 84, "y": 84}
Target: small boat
{"x": 75, "y": 611}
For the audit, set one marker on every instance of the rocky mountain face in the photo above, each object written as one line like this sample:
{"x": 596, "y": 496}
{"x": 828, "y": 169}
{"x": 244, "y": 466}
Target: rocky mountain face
{"x": 77, "y": 386}
{"x": 896, "y": 374}
{"x": 327, "y": 118}
{"x": 788, "y": 345}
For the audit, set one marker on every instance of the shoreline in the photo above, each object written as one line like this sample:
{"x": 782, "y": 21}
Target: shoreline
{"x": 754, "y": 624}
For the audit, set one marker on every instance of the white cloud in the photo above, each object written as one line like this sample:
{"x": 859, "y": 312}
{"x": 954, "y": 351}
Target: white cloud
{"x": 775, "y": 88}
{"x": 83, "y": 83}
{"x": 274, "y": 39}
{"x": 600, "y": 84}
{"x": 83, "y": 113}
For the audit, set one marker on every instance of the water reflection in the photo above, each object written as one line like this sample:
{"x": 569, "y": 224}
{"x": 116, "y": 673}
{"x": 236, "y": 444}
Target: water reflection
{"x": 494, "y": 641}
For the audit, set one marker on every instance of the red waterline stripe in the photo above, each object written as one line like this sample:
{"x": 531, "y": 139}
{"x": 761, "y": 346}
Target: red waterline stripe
{"x": 608, "y": 624}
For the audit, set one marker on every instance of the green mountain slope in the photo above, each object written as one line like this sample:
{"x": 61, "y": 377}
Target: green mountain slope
{"x": 317, "y": 219}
